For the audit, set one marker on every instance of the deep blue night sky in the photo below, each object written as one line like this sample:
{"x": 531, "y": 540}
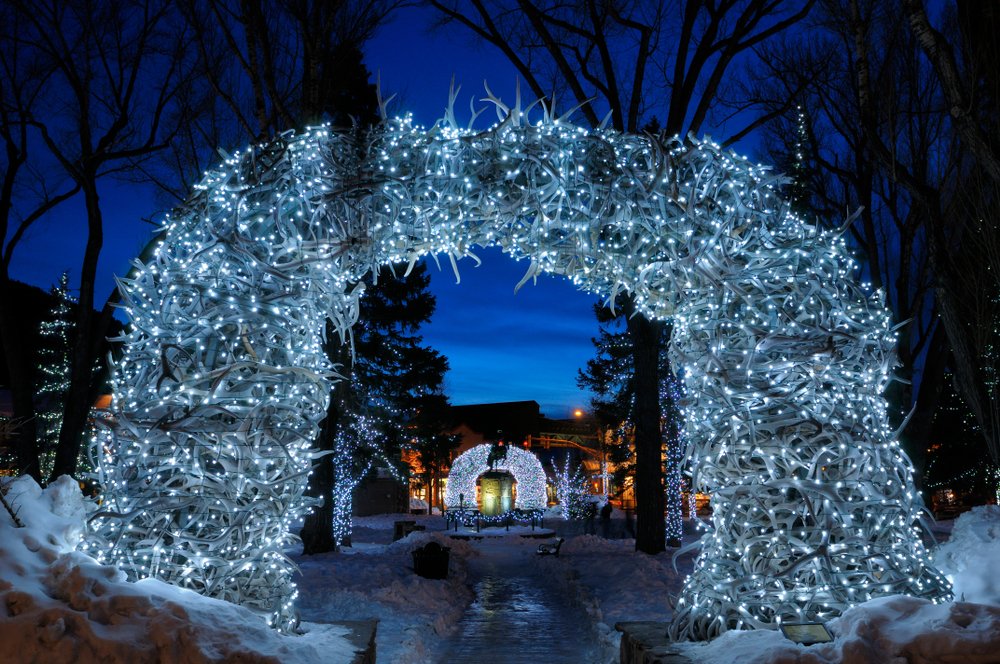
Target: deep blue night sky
{"x": 501, "y": 347}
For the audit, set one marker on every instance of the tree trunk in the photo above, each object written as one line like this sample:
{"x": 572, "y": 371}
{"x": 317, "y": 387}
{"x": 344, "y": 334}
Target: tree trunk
{"x": 649, "y": 491}
{"x": 317, "y": 528}
{"x": 90, "y": 330}
{"x": 916, "y": 435}
{"x": 965, "y": 362}
{"x": 941, "y": 55}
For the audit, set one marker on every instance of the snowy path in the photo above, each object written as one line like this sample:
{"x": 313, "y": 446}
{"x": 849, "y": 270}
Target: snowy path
{"x": 519, "y": 614}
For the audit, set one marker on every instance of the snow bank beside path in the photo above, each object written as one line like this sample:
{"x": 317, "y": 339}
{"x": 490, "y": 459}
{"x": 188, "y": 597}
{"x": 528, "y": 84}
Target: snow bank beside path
{"x": 627, "y": 585}
{"x": 377, "y": 581}
{"x": 60, "y": 606}
{"x": 971, "y": 557}
{"x": 614, "y": 583}
{"x": 888, "y": 629}
{"x": 898, "y": 628}
{"x": 617, "y": 584}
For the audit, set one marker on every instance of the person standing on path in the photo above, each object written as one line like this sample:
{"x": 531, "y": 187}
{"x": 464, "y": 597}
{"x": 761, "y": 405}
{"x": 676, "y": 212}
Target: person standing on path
{"x": 606, "y": 520}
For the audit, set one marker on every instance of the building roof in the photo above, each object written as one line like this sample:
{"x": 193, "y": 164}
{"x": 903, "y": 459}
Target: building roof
{"x": 581, "y": 427}
{"x": 510, "y": 421}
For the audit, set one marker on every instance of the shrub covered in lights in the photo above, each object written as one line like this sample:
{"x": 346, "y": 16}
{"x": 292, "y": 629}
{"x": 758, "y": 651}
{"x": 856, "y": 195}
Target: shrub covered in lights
{"x": 469, "y": 465}
{"x": 571, "y": 488}
{"x": 784, "y": 357}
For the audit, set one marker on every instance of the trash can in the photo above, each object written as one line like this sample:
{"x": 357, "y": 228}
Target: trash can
{"x": 431, "y": 561}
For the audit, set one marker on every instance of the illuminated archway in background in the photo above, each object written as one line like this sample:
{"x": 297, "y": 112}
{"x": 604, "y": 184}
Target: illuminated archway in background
{"x": 223, "y": 382}
{"x": 524, "y": 466}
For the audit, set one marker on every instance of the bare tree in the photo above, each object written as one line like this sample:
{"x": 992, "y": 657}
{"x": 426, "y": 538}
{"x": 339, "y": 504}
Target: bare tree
{"x": 963, "y": 87}
{"x": 636, "y": 61}
{"x": 961, "y": 236}
{"x": 845, "y": 178}
{"x": 111, "y": 73}
{"x": 27, "y": 194}
{"x": 264, "y": 68}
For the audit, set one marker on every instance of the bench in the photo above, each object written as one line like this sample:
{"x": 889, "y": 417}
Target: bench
{"x": 550, "y": 549}
{"x": 401, "y": 529}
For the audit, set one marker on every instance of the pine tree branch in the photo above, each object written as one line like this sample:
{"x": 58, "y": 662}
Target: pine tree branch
{"x": 10, "y": 510}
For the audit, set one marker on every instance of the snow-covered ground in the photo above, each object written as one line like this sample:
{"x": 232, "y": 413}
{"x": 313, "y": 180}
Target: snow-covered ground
{"x": 621, "y": 585}
{"x": 971, "y": 556}
{"x": 58, "y": 605}
{"x": 376, "y": 580}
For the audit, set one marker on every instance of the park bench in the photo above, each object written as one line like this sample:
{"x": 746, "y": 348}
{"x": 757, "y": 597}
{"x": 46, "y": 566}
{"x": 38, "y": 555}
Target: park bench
{"x": 550, "y": 549}
{"x": 401, "y": 529}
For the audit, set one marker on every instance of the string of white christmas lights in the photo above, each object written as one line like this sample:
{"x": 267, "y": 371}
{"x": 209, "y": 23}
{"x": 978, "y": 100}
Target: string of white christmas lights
{"x": 785, "y": 358}
{"x": 571, "y": 488}
{"x": 469, "y": 465}
{"x": 223, "y": 380}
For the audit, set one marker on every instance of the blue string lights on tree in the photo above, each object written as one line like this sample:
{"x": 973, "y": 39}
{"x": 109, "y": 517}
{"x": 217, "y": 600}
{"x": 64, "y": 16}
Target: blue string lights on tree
{"x": 357, "y": 448}
{"x": 673, "y": 438}
{"x": 223, "y": 379}
{"x": 571, "y": 488}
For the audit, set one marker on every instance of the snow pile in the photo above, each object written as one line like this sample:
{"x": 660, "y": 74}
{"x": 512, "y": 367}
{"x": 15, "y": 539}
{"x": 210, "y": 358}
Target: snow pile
{"x": 378, "y": 528}
{"x": 613, "y": 583}
{"x": 377, "y": 581}
{"x": 897, "y": 629}
{"x": 919, "y": 631}
{"x": 502, "y": 532}
{"x": 970, "y": 558}
{"x": 626, "y": 585}
{"x": 553, "y": 512}
{"x": 616, "y": 584}
{"x": 58, "y": 605}
{"x": 385, "y": 522}
{"x": 887, "y": 629}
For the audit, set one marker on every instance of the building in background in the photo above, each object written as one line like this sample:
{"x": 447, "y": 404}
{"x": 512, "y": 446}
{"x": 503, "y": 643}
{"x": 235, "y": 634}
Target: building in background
{"x": 521, "y": 424}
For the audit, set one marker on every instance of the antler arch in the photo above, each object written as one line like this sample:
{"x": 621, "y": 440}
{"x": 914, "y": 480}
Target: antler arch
{"x": 223, "y": 381}
{"x": 523, "y": 465}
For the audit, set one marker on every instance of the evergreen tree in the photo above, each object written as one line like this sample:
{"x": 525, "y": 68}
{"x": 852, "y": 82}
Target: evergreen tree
{"x": 357, "y": 448}
{"x": 56, "y": 334}
{"x": 383, "y": 363}
{"x": 375, "y": 410}
{"x": 954, "y": 457}
{"x": 801, "y": 166}
{"x": 427, "y": 438}
{"x": 610, "y": 375}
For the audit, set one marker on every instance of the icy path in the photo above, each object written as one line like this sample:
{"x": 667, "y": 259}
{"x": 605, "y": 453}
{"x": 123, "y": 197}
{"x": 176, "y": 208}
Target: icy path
{"x": 519, "y": 614}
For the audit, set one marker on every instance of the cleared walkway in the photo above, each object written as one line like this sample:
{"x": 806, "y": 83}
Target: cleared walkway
{"x": 519, "y": 615}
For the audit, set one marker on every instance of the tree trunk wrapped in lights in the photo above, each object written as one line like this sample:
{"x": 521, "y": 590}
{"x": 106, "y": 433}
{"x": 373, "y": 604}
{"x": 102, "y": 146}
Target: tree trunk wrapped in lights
{"x": 784, "y": 358}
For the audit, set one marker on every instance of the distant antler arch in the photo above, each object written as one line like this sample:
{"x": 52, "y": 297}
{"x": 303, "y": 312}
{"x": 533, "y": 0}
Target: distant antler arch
{"x": 223, "y": 381}
{"x": 523, "y": 465}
